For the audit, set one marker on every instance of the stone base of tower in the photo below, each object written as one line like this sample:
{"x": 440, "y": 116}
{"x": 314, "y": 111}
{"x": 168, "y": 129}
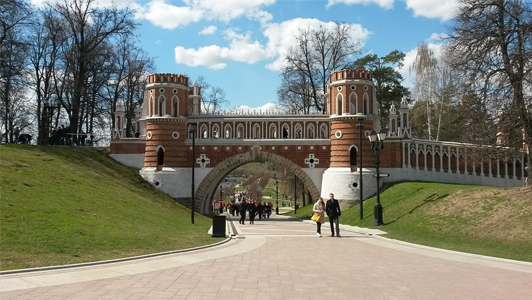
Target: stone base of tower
{"x": 345, "y": 185}
{"x": 175, "y": 182}
{"x": 129, "y": 160}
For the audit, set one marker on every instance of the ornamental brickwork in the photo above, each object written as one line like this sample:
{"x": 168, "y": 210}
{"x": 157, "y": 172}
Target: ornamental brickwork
{"x": 322, "y": 150}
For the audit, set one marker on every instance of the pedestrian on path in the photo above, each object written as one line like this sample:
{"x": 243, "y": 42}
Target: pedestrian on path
{"x": 243, "y": 208}
{"x": 332, "y": 208}
{"x": 319, "y": 208}
{"x": 252, "y": 212}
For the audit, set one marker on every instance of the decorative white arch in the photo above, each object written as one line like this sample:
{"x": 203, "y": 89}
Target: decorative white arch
{"x": 150, "y": 106}
{"x": 161, "y": 105}
{"x": 286, "y": 131}
{"x": 298, "y": 131}
{"x": 339, "y": 105}
{"x": 204, "y": 132}
{"x": 324, "y": 131}
{"x": 311, "y": 132}
{"x": 240, "y": 131}
{"x": 273, "y": 131}
{"x": 256, "y": 131}
{"x": 228, "y": 130}
{"x": 366, "y": 104}
{"x": 216, "y": 131}
{"x": 175, "y": 106}
{"x": 353, "y": 102}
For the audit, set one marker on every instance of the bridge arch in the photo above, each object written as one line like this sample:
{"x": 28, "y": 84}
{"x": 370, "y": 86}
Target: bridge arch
{"x": 210, "y": 183}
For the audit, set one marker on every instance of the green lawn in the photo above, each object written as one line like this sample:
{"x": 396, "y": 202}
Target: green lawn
{"x": 63, "y": 205}
{"x": 482, "y": 220}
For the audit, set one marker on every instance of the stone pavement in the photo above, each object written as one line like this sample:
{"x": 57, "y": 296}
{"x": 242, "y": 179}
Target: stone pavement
{"x": 280, "y": 258}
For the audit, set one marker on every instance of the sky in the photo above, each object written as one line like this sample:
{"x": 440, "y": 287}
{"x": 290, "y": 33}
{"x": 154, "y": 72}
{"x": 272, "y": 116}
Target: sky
{"x": 238, "y": 45}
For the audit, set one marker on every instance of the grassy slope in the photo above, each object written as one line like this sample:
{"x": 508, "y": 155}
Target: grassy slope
{"x": 481, "y": 220}
{"x": 61, "y": 205}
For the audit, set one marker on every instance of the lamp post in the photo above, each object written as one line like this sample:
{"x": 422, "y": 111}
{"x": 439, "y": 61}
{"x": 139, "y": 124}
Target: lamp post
{"x": 295, "y": 194}
{"x": 50, "y": 106}
{"x": 192, "y": 131}
{"x": 221, "y": 199}
{"x": 360, "y": 126}
{"x": 276, "y": 195}
{"x": 377, "y": 144}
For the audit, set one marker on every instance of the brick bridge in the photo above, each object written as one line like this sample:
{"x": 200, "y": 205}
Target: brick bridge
{"x": 322, "y": 150}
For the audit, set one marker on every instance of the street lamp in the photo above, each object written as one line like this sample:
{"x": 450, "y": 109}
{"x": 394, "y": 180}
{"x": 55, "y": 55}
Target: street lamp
{"x": 49, "y": 107}
{"x": 295, "y": 194}
{"x": 276, "y": 195}
{"x": 377, "y": 144}
{"x": 221, "y": 199}
{"x": 192, "y": 131}
{"x": 360, "y": 126}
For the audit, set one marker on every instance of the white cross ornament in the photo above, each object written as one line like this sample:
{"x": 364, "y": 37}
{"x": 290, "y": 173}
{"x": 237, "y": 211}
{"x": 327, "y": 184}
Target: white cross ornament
{"x": 311, "y": 161}
{"x": 203, "y": 160}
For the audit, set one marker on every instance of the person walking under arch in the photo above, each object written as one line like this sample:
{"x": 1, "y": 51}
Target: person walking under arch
{"x": 332, "y": 208}
{"x": 243, "y": 208}
{"x": 319, "y": 208}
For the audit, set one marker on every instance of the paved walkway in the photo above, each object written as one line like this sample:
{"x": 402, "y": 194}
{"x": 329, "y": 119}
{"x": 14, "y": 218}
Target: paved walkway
{"x": 279, "y": 258}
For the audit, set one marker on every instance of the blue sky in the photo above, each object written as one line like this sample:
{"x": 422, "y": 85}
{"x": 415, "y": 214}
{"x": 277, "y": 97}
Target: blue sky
{"x": 237, "y": 45}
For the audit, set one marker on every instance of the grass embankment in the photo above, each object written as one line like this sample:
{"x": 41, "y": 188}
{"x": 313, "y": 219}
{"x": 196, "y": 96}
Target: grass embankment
{"x": 481, "y": 220}
{"x": 63, "y": 205}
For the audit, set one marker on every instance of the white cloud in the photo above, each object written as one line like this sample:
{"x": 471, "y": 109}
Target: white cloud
{"x": 382, "y": 3}
{"x": 215, "y": 57}
{"x": 208, "y": 30}
{"x": 227, "y": 10}
{"x": 281, "y": 37}
{"x": 266, "y": 108}
{"x": 440, "y": 9}
{"x": 167, "y": 16}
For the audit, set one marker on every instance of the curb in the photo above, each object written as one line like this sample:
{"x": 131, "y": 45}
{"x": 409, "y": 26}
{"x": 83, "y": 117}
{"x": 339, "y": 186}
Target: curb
{"x": 466, "y": 254}
{"x": 111, "y": 261}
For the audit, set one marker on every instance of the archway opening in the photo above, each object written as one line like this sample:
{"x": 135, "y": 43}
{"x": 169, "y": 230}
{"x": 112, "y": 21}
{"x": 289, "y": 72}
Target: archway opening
{"x": 260, "y": 188}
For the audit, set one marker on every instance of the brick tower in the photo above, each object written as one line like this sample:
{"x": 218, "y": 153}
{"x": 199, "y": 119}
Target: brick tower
{"x": 169, "y": 101}
{"x": 351, "y": 100}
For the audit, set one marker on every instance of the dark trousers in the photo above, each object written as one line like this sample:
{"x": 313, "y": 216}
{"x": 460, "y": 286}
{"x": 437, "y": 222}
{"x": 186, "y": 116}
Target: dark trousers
{"x": 242, "y": 217}
{"x": 319, "y": 227}
{"x": 334, "y": 221}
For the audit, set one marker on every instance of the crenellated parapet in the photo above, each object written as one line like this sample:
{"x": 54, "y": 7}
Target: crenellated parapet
{"x": 167, "y": 78}
{"x": 350, "y": 75}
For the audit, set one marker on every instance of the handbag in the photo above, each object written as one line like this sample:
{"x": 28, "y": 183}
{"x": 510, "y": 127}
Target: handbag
{"x": 315, "y": 217}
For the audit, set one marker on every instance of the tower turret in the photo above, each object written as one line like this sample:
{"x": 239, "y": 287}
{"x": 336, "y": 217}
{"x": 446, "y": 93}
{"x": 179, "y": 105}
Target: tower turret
{"x": 169, "y": 101}
{"x": 120, "y": 115}
{"x": 351, "y": 102}
{"x": 404, "y": 125}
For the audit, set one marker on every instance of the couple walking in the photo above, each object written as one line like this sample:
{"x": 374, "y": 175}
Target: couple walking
{"x": 332, "y": 209}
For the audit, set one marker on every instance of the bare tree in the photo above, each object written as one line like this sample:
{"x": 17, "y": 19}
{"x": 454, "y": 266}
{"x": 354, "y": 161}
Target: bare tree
{"x": 319, "y": 52}
{"x": 295, "y": 93}
{"x": 88, "y": 28}
{"x": 15, "y": 16}
{"x": 425, "y": 72}
{"x": 491, "y": 44}
{"x": 46, "y": 41}
{"x": 435, "y": 87}
{"x": 212, "y": 98}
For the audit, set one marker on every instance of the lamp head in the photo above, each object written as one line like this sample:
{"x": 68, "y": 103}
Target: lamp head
{"x": 382, "y": 134}
{"x": 192, "y": 128}
{"x": 372, "y": 136}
